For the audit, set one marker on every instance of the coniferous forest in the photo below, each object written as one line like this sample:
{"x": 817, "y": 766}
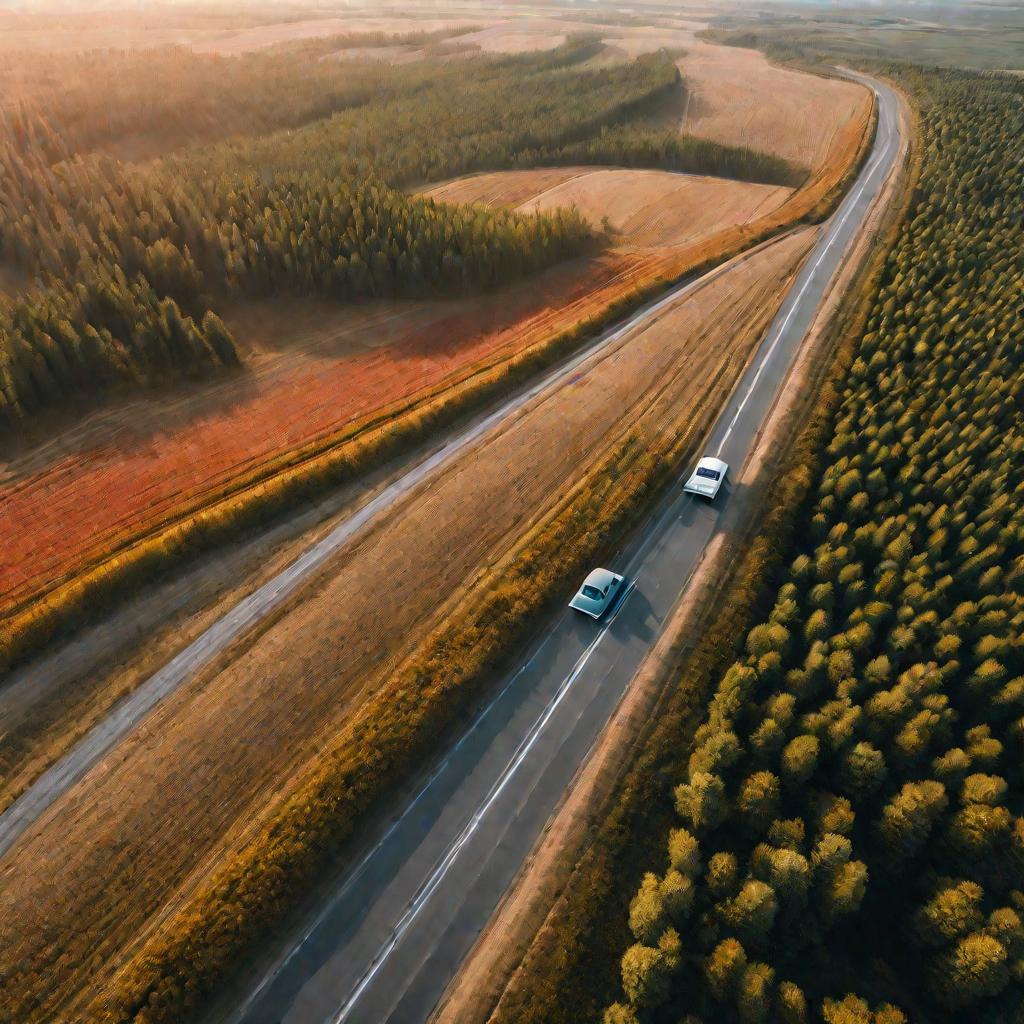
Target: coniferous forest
{"x": 129, "y": 262}
{"x": 849, "y": 839}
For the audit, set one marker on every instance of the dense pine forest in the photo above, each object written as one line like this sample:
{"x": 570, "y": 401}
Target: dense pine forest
{"x": 849, "y": 840}
{"x": 645, "y": 146}
{"x": 129, "y": 261}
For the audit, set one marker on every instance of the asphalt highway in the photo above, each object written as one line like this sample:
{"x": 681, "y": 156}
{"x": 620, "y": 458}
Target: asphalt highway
{"x": 389, "y": 939}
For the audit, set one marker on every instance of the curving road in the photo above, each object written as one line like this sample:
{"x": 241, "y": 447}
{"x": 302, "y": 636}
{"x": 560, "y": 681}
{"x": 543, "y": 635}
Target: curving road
{"x": 390, "y": 938}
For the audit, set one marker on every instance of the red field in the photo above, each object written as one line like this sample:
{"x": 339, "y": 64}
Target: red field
{"x": 314, "y": 369}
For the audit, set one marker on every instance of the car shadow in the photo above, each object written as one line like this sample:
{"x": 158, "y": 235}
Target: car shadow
{"x": 636, "y": 618}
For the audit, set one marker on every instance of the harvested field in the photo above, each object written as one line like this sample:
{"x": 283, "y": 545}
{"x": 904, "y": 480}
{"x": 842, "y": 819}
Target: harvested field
{"x": 149, "y": 822}
{"x": 524, "y": 35}
{"x": 502, "y": 188}
{"x": 737, "y": 97}
{"x": 383, "y": 54}
{"x": 220, "y": 31}
{"x": 644, "y": 208}
{"x": 406, "y": 53}
{"x": 69, "y": 504}
{"x": 260, "y": 36}
{"x": 734, "y": 95}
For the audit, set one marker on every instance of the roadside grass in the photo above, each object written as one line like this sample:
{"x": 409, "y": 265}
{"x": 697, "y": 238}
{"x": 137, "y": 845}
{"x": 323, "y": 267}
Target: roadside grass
{"x": 296, "y": 477}
{"x": 218, "y": 926}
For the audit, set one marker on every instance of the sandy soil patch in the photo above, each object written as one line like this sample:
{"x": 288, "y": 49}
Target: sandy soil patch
{"x": 643, "y": 208}
{"x": 84, "y": 885}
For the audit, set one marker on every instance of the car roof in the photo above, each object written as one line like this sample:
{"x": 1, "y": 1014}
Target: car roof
{"x": 599, "y": 578}
{"x": 712, "y": 463}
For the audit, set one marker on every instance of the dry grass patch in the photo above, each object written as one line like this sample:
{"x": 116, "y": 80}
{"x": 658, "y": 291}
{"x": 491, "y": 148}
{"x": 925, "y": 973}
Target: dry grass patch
{"x": 314, "y": 368}
{"x": 502, "y": 188}
{"x": 50, "y": 579}
{"x": 260, "y": 36}
{"x": 735, "y": 96}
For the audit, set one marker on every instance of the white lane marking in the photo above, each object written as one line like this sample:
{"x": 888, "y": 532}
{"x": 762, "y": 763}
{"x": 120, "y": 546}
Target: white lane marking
{"x": 429, "y": 887}
{"x": 358, "y": 871}
{"x": 672, "y": 509}
{"x": 851, "y": 203}
{"x": 441, "y": 870}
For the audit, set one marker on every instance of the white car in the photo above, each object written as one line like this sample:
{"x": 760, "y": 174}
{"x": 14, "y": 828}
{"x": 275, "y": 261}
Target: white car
{"x": 707, "y": 478}
{"x": 597, "y": 593}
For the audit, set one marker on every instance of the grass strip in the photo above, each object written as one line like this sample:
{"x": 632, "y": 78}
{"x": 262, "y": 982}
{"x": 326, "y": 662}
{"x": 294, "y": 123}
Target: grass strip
{"x": 201, "y": 944}
{"x": 251, "y": 896}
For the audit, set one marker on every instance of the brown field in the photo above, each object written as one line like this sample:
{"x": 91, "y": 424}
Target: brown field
{"x": 644, "y": 208}
{"x": 150, "y": 822}
{"x": 526, "y": 35}
{"x": 70, "y": 503}
{"x": 73, "y": 501}
{"x": 316, "y": 368}
{"x": 384, "y": 54}
{"x": 502, "y": 188}
{"x": 223, "y": 31}
{"x": 736, "y": 96}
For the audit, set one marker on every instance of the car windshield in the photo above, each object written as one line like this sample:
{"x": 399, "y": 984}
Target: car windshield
{"x": 710, "y": 474}
{"x": 592, "y": 592}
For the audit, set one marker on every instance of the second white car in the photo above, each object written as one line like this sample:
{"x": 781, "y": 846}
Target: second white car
{"x": 707, "y": 478}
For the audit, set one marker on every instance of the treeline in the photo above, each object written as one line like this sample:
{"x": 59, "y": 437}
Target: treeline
{"x": 106, "y": 331}
{"x": 141, "y": 104}
{"x": 850, "y": 841}
{"x": 482, "y": 114}
{"x": 639, "y": 146}
{"x": 123, "y": 321}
